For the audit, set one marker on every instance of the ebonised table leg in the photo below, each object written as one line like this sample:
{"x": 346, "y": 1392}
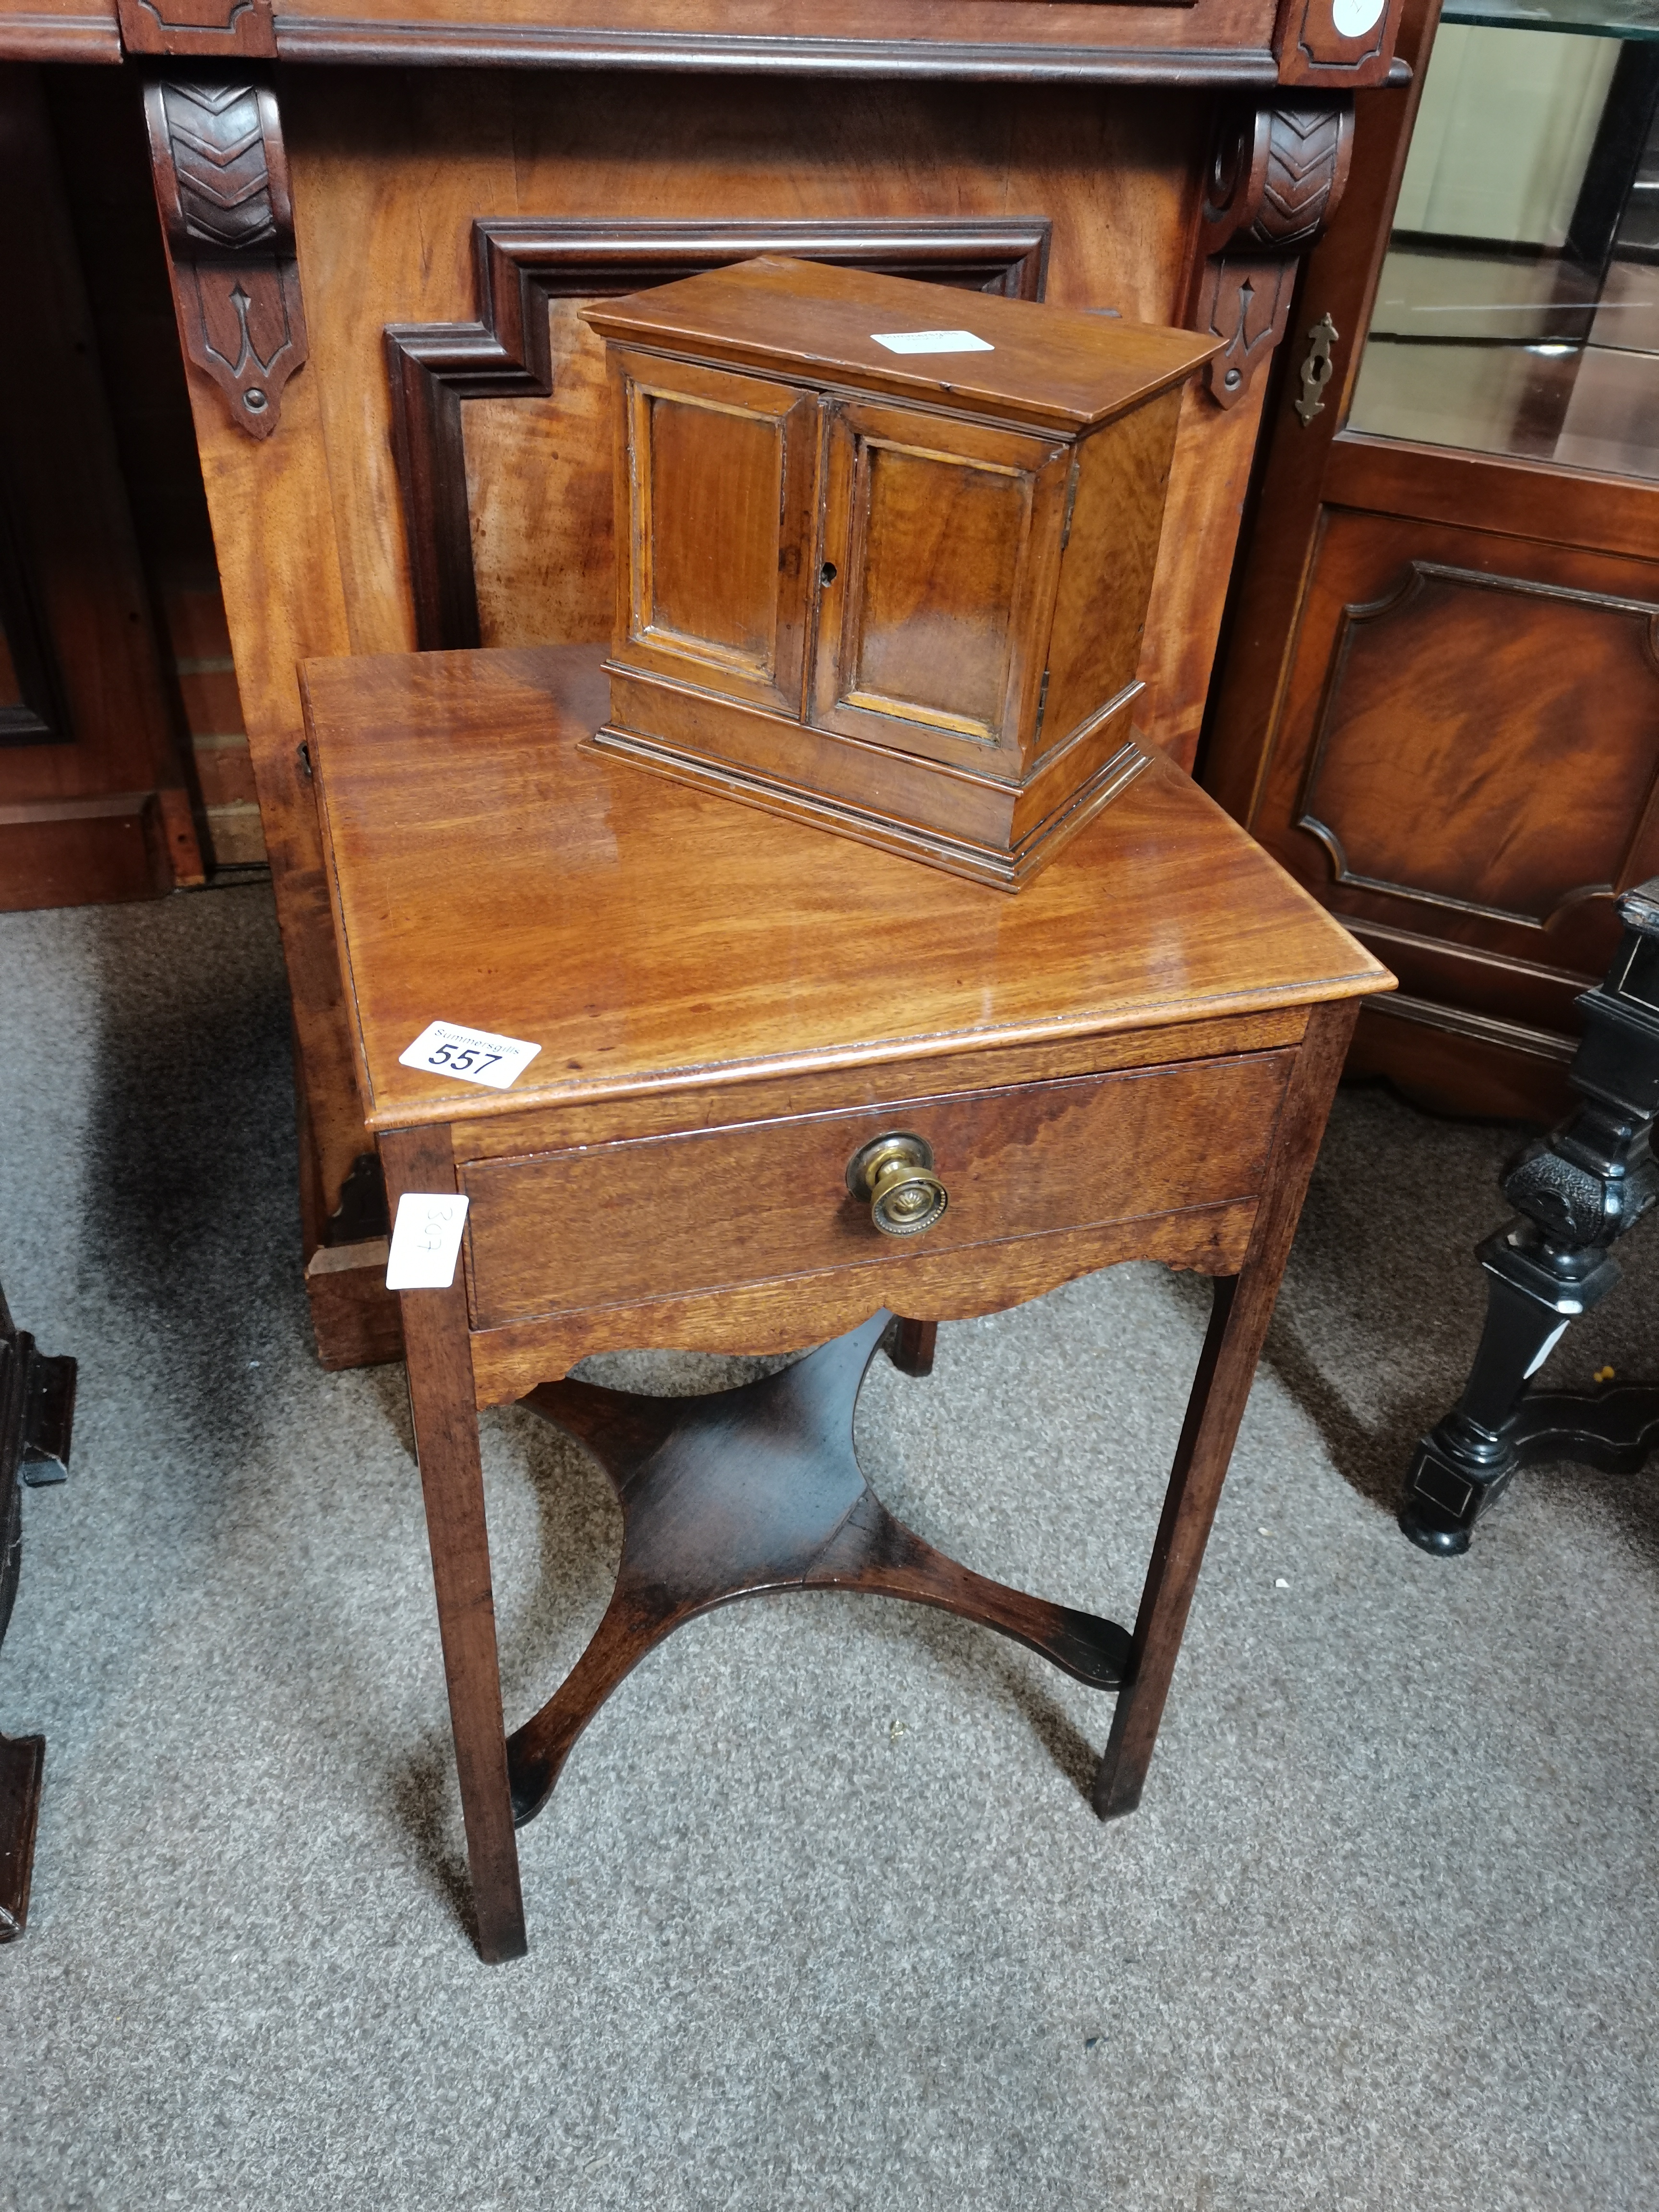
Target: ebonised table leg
{"x": 1243, "y": 1307}
{"x": 37, "y": 1414}
{"x": 23, "y": 1765}
{"x": 1579, "y": 1190}
{"x": 443, "y": 1404}
{"x": 1467, "y": 1459}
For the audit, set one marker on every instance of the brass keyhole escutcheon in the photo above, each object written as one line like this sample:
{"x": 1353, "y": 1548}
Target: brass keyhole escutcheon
{"x": 894, "y": 1175}
{"x": 1317, "y": 369}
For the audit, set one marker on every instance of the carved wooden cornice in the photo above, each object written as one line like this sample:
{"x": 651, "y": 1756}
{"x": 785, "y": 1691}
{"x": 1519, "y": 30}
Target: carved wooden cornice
{"x": 1276, "y": 176}
{"x": 222, "y": 184}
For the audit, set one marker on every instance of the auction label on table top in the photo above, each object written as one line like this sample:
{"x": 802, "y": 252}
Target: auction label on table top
{"x": 932, "y": 342}
{"x": 471, "y": 1055}
{"x": 426, "y": 1240}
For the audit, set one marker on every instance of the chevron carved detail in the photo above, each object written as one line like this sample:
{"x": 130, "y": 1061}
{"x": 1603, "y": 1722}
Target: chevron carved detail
{"x": 218, "y": 150}
{"x": 1305, "y": 170}
{"x": 1276, "y": 175}
{"x": 222, "y": 184}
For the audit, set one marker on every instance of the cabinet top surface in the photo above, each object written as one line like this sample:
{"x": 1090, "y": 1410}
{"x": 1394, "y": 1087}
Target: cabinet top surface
{"x": 488, "y": 872}
{"x": 1053, "y": 367}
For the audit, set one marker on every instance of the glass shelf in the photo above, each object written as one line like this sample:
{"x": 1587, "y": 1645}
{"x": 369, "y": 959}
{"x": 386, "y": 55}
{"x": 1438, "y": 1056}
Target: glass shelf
{"x": 1594, "y": 19}
{"x": 1518, "y": 308}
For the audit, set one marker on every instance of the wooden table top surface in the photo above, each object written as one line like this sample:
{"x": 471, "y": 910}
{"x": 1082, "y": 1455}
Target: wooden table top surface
{"x": 488, "y": 872}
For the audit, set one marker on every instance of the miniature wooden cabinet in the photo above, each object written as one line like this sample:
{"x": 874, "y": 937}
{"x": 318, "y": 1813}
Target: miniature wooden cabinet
{"x": 885, "y": 552}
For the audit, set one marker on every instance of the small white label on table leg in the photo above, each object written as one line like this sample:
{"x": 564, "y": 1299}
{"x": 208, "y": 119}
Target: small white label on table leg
{"x": 426, "y": 1240}
{"x": 471, "y": 1055}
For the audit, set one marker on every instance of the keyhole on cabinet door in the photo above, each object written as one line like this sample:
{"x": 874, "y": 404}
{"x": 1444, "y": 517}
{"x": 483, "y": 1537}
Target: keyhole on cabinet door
{"x": 827, "y": 574}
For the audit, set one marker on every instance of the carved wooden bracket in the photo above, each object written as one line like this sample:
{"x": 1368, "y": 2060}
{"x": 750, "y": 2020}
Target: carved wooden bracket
{"x": 1276, "y": 176}
{"x": 208, "y": 27}
{"x": 222, "y": 184}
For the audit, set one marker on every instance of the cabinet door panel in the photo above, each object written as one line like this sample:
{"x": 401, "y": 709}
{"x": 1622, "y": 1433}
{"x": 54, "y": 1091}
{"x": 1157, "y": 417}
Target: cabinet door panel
{"x": 718, "y": 489}
{"x": 1438, "y": 766}
{"x": 941, "y": 544}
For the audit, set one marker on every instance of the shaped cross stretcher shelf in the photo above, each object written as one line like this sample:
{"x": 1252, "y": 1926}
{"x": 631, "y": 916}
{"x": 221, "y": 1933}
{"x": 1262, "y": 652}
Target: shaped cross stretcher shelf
{"x": 759, "y": 1489}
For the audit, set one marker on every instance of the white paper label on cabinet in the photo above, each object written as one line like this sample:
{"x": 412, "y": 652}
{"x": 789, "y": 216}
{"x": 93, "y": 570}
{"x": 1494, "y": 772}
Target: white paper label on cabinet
{"x": 932, "y": 342}
{"x": 471, "y": 1055}
{"x": 426, "y": 1240}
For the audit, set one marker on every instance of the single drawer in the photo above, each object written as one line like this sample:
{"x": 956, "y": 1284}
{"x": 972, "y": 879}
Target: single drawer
{"x": 659, "y": 1217}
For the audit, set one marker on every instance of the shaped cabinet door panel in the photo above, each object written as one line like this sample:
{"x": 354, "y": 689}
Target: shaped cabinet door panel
{"x": 717, "y": 492}
{"x": 941, "y": 547}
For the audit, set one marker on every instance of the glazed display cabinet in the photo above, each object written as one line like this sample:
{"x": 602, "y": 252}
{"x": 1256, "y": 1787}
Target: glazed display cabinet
{"x": 1440, "y": 704}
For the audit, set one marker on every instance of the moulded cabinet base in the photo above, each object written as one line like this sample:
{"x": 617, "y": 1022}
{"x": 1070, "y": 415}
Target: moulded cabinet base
{"x": 1000, "y": 856}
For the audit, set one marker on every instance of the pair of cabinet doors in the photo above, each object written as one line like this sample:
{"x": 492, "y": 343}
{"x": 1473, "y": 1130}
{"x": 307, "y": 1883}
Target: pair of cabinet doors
{"x": 870, "y": 569}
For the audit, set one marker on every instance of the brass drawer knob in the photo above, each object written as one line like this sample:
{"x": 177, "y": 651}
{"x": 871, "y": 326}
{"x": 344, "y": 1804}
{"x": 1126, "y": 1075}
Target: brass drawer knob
{"x": 895, "y": 1176}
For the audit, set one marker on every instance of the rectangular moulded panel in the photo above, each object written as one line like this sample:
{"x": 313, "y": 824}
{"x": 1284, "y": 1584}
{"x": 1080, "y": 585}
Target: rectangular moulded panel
{"x": 941, "y": 554}
{"x": 1387, "y": 793}
{"x": 717, "y": 495}
{"x": 941, "y": 546}
{"x": 715, "y": 588}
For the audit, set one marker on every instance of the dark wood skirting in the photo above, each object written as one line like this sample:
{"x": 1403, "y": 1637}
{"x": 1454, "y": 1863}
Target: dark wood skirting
{"x": 1484, "y": 1029}
{"x": 37, "y": 1417}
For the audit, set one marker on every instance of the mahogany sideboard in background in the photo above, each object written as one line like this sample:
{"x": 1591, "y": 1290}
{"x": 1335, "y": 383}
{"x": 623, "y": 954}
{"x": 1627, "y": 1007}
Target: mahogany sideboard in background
{"x": 382, "y": 220}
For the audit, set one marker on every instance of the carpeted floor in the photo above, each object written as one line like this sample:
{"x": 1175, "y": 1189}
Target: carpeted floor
{"x": 819, "y": 1916}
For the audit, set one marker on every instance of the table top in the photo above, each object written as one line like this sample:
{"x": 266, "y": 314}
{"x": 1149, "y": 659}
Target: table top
{"x": 1052, "y": 368}
{"x": 487, "y": 871}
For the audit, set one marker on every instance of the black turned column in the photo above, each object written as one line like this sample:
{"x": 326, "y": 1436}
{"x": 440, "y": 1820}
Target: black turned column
{"x": 1578, "y": 1190}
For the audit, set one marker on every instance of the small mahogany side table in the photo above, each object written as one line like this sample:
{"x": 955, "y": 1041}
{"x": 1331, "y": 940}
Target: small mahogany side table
{"x": 1133, "y": 1059}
